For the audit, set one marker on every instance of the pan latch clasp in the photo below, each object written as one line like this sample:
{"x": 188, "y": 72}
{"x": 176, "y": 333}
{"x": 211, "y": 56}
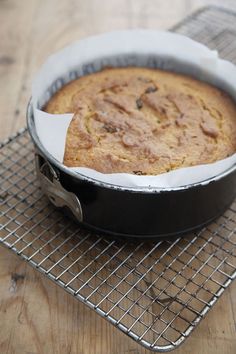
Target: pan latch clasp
{"x": 51, "y": 186}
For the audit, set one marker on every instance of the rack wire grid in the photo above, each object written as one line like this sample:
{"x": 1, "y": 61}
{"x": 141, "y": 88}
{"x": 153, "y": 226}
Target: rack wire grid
{"x": 155, "y": 292}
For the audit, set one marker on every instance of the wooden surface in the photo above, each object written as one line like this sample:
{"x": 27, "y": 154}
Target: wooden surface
{"x": 36, "y": 316}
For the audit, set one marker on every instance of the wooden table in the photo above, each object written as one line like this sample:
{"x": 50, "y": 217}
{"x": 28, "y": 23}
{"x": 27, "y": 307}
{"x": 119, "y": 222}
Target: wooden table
{"x": 36, "y": 316}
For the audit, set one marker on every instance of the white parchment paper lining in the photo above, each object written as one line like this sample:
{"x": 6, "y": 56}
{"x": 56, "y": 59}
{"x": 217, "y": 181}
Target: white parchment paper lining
{"x": 160, "y": 49}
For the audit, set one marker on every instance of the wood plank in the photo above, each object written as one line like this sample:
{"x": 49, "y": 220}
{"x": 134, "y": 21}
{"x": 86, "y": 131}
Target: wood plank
{"x": 15, "y": 29}
{"x": 39, "y": 317}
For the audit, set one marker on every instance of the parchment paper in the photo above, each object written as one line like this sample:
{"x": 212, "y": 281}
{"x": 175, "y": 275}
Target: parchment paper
{"x": 156, "y": 49}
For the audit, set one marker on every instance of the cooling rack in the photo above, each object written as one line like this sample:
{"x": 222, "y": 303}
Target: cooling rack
{"x": 155, "y": 292}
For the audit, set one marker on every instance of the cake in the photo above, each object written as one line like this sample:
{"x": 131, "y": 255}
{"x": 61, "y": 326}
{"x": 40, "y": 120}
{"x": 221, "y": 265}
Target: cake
{"x": 144, "y": 121}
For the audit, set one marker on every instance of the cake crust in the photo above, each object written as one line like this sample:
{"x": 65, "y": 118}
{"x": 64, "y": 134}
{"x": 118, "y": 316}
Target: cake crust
{"x": 144, "y": 121}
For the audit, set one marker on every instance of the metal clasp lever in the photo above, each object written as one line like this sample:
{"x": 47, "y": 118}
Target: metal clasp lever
{"x": 52, "y": 187}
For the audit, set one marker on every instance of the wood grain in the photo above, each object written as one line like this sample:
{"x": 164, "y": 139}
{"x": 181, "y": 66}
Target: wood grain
{"x": 36, "y": 315}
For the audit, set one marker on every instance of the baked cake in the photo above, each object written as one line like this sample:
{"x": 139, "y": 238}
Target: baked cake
{"x": 144, "y": 121}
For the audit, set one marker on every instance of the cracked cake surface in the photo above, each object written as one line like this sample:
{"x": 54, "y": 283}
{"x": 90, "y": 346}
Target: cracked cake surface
{"x": 144, "y": 121}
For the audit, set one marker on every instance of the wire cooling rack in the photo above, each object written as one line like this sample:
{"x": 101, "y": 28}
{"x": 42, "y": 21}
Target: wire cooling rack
{"x": 156, "y": 292}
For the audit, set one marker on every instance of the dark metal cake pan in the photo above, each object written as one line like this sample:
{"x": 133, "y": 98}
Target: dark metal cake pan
{"x": 128, "y": 211}
{"x": 135, "y": 212}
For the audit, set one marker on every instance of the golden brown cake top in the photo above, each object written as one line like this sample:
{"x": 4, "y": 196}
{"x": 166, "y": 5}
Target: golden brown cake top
{"x": 144, "y": 121}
